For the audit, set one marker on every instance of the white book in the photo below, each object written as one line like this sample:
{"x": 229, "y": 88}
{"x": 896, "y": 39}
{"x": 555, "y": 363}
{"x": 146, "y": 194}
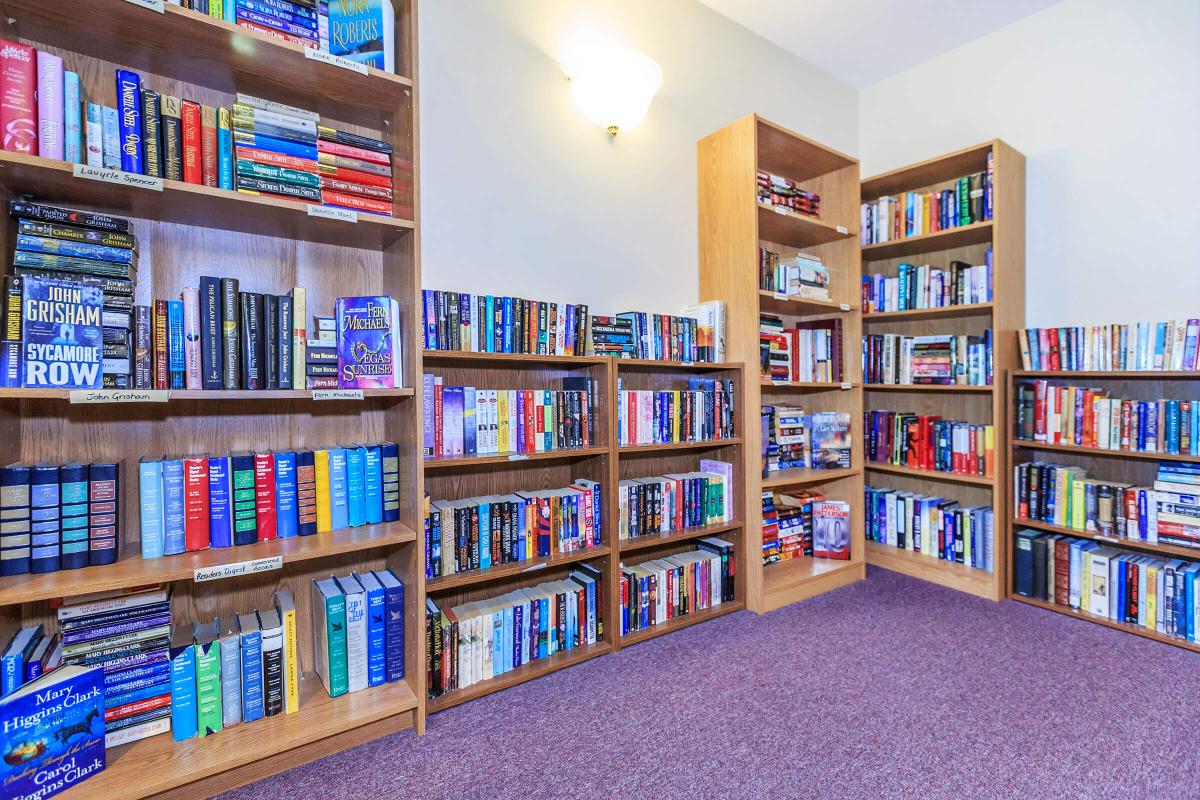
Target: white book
{"x": 474, "y": 306}
{"x": 231, "y": 671}
{"x": 1143, "y": 566}
{"x": 118, "y": 601}
{"x": 560, "y": 330}
{"x": 273, "y": 672}
{"x": 1098, "y": 599}
{"x": 278, "y": 108}
{"x": 137, "y": 732}
{"x": 356, "y": 632}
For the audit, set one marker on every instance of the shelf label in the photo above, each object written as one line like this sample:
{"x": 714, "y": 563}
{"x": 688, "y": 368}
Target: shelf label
{"x": 842, "y": 229}
{"x": 846, "y": 385}
{"x": 337, "y": 394}
{"x": 153, "y": 5}
{"x": 781, "y": 210}
{"x": 118, "y": 396}
{"x": 118, "y": 177}
{"x": 844, "y": 306}
{"x": 343, "y": 214}
{"x": 518, "y": 457}
{"x": 780, "y": 296}
{"x": 330, "y": 58}
{"x": 534, "y": 567}
{"x": 223, "y": 571}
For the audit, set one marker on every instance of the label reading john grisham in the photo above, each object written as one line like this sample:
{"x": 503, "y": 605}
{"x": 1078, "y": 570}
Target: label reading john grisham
{"x": 368, "y": 343}
{"x": 62, "y": 335}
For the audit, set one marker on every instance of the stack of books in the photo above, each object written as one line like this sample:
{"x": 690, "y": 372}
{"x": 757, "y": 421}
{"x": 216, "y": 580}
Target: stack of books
{"x": 675, "y": 502}
{"x": 475, "y": 641}
{"x": 356, "y": 171}
{"x": 657, "y": 591}
{"x": 612, "y": 336}
{"x": 785, "y": 194}
{"x": 928, "y": 442}
{"x": 808, "y": 352}
{"x": 968, "y": 201}
{"x": 932, "y": 526}
{"x": 770, "y": 529}
{"x": 358, "y": 630}
{"x": 942, "y": 360}
{"x": 491, "y": 324}
{"x": 276, "y": 150}
{"x": 197, "y": 502}
{"x": 292, "y": 21}
{"x": 1170, "y": 345}
{"x": 30, "y": 653}
{"x": 703, "y": 412}
{"x": 795, "y": 521}
{"x": 922, "y": 287}
{"x": 801, "y": 276}
{"x": 481, "y": 532}
{"x": 800, "y": 440}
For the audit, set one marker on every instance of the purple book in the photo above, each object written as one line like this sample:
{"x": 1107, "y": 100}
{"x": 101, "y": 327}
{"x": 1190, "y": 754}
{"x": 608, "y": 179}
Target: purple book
{"x": 368, "y": 343}
{"x": 50, "y": 106}
{"x": 453, "y": 403}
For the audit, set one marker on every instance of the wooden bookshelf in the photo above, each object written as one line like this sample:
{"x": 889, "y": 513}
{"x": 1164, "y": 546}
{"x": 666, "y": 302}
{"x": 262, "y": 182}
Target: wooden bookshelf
{"x": 733, "y": 225}
{"x": 1121, "y": 466}
{"x": 1005, "y": 234}
{"x": 270, "y": 246}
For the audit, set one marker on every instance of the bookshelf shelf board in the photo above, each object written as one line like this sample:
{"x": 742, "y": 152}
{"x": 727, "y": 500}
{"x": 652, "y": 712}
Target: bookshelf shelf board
{"x": 927, "y": 387}
{"x": 176, "y": 395}
{"x": 685, "y": 366}
{"x": 159, "y": 764}
{"x": 1096, "y": 451}
{"x": 1116, "y": 375}
{"x": 801, "y": 477}
{"x": 675, "y": 623}
{"x": 924, "y": 173}
{"x": 948, "y": 239}
{"x": 786, "y": 582}
{"x": 978, "y": 582}
{"x": 656, "y": 540}
{"x": 962, "y": 310}
{"x": 484, "y": 359}
{"x": 707, "y": 444}
{"x": 508, "y": 570}
{"x": 784, "y": 152}
{"x": 1116, "y": 541}
{"x": 929, "y": 474}
{"x": 449, "y": 462}
{"x": 797, "y": 230}
{"x": 199, "y": 49}
{"x": 795, "y": 306}
{"x": 133, "y": 570}
{"x": 191, "y": 204}
{"x": 1108, "y": 623}
{"x": 523, "y": 673}
{"x": 810, "y": 386}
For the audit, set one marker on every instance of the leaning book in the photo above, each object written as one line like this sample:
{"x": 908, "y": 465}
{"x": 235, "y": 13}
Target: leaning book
{"x": 52, "y": 733}
{"x": 61, "y": 334}
{"x": 368, "y": 338}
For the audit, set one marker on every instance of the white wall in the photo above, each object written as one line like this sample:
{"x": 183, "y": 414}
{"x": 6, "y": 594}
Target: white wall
{"x": 1103, "y": 98}
{"x": 522, "y": 195}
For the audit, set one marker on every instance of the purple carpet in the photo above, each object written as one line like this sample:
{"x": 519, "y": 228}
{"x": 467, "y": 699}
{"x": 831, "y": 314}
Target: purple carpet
{"x": 889, "y": 688}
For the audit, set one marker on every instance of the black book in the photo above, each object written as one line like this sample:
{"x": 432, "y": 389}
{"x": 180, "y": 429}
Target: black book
{"x": 45, "y": 213}
{"x": 251, "y": 339}
{"x": 212, "y": 367}
{"x": 143, "y": 354}
{"x": 433, "y": 650}
{"x": 308, "y": 193}
{"x": 284, "y": 370}
{"x": 272, "y": 662}
{"x": 172, "y": 138}
{"x": 152, "y": 132}
{"x": 1039, "y": 568}
{"x": 270, "y": 352}
{"x": 104, "y": 510}
{"x": 231, "y": 333}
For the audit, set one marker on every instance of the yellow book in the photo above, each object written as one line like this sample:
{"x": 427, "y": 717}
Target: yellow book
{"x": 291, "y": 653}
{"x": 1151, "y": 597}
{"x": 989, "y": 450}
{"x": 1077, "y": 513}
{"x": 324, "y": 502}
{"x": 502, "y": 418}
{"x": 966, "y": 534}
{"x": 531, "y": 512}
{"x": 1085, "y": 579}
{"x": 676, "y": 399}
{"x": 1062, "y": 494}
{"x": 299, "y": 334}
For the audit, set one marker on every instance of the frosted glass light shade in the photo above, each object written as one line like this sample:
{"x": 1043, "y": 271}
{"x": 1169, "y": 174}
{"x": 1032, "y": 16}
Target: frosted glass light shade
{"x": 612, "y": 86}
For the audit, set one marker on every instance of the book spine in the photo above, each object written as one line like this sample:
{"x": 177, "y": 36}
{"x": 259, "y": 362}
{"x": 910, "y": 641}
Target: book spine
{"x": 183, "y": 692}
{"x": 173, "y": 500}
{"x": 245, "y": 527}
{"x": 208, "y": 145}
{"x": 286, "y": 516}
{"x": 250, "y": 340}
{"x": 111, "y": 134}
{"x": 269, "y": 362}
{"x": 195, "y": 503}
{"x": 192, "y": 336}
{"x": 224, "y": 149}
{"x": 152, "y": 132}
{"x": 299, "y": 335}
{"x": 394, "y": 631}
{"x": 306, "y": 493}
{"x": 73, "y": 490}
{"x": 18, "y": 98}
{"x": 291, "y": 658}
{"x": 260, "y": 185}
{"x": 193, "y": 169}
{"x": 285, "y": 338}
{"x": 272, "y": 672}
{"x": 103, "y": 514}
{"x": 171, "y": 110}
{"x": 231, "y": 680}
{"x": 264, "y": 495}
{"x": 151, "y": 505}
{"x": 230, "y": 333}
{"x": 331, "y": 198}
{"x": 129, "y": 102}
{"x": 72, "y": 124}
{"x": 161, "y": 373}
{"x": 211, "y": 362}
{"x": 49, "y": 96}
{"x": 176, "y": 348}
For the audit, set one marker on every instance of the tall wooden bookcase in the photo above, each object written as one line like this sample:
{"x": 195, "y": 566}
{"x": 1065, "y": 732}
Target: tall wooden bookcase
{"x": 1005, "y": 234}
{"x": 270, "y": 245}
{"x": 732, "y": 226}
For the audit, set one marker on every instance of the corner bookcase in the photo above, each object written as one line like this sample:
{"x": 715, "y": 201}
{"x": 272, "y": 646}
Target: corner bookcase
{"x": 733, "y": 225}
{"x": 270, "y": 245}
{"x": 1005, "y": 234}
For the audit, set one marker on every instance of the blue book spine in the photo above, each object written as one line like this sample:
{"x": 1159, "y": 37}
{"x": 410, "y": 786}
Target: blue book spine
{"x": 287, "y": 520}
{"x": 176, "y": 361}
{"x": 394, "y": 628}
{"x": 224, "y": 154}
{"x": 389, "y": 454}
{"x": 506, "y": 314}
{"x": 356, "y": 486}
{"x": 183, "y": 692}
{"x": 489, "y": 344}
{"x": 220, "y": 520}
{"x": 150, "y": 496}
{"x": 338, "y": 494}
{"x": 373, "y": 485}
{"x": 45, "y": 532}
{"x": 172, "y": 490}
{"x": 519, "y": 540}
{"x": 518, "y": 629}
{"x": 485, "y": 535}
{"x": 544, "y": 633}
{"x": 498, "y": 642}
{"x": 72, "y": 118}
{"x": 129, "y": 121}
{"x": 274, "y": 144}
{"x": 507, "y": 639}
{"x": 62, "y": 247}
{"x": 252, "y": 676}
{"x": 231, "y": 680}
{"x": 376, "y": 635}
{"x": 73, "y": 490}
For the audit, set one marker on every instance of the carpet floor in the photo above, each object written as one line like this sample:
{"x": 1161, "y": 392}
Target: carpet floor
{"x": 891, "y": 688}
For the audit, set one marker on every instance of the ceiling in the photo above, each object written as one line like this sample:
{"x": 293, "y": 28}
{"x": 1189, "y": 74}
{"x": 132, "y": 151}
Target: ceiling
{"x": 864, "y": 41}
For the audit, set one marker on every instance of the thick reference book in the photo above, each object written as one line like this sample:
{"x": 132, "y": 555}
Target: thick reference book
{"x": 329, "y": 635}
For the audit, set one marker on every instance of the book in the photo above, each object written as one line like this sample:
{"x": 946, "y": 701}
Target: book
{"x": 356, "y": 632}
{"x": 195, "y": 503}
{"x": 176, "y": 346}
{"x": 208, "y": 145}
{"x": 150, "y": 493}
{"x": 75, "y": 514}
{"x": 210, "y": 322}
{"x": 50, "y": 106}
{"x": 14, "y": 519}
{"x": 174, "y": 496}
{"x": 272, "y": 662}
{"x": 393, "y": 591}
{"x": 45, "y": 527}
{"x": 231, "y": 333}
{"x": 286, "y": 509}
{"x": 831, "y": 529}
{"x": 18, "y": 88}
{"x": 220, "y": 511}
{"x": 245, "y": 524}
{"x": 61, "y": 334}
{"x": 306, "y": 493}
{"x": 252, "y": 340}
{"x": 376, "y": 627}
{"x": 230, "y": 638}
{"x": 390, "y": 457}
{"x": 104, "y": 513}
{"x": 264, "y": 496}
{"x": 183, "y": 683}
{"x": 324, "y": 507}
{"x": 129, "y": 120}
{"x": 286, "y": 607}
{"x": 152, "y": 146}
{"x": 252, "y": 669}
{"x": 171, "y": 109}
{"x": 368, "y": 343}
{"x": 209, "y": 710}
{"x": 329, "y": 636}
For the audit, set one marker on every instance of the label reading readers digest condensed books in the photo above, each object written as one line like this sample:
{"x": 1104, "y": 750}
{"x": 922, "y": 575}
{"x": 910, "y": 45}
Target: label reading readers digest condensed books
{"x": 153, "y": 5}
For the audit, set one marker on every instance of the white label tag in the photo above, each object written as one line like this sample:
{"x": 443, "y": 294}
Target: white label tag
{"x": 846, "y": 385}
{"x": 517, "y": 457}
{"x": 119, "y": 395}
{"x": 337, "y": 61}
{"x": 845, "y": 306}
{"x": 337, "y": 394}
{"x": 535, "y": 566}
{"x": 240, "y": 568}
{"x": 118, "y": 177}
{"x": 780, "y": 210}
{"x": 780, "y": 296}
{"x": 842, "y": 229}
{"x": 153, "y": 5}
{"x": 343, "y": 214}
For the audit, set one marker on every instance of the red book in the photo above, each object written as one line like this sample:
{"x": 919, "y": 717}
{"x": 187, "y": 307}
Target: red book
{"x": 208, "y": 145}
{"x": 18, "y": 106}
{"x": 362, "y": 153}
{"x": 362, "y": 189}
{"x": 353, "y": 201}
{"x": 353, "y": 175}
{"x": 264, "y": 495}
{"x": 437, "y": 419}
{"x": 274, "y": 34}
{"x": 530, "y": 430}
{"x": 274, "y": 159}
{"x": 587, "y": 440}
{"x": 159, "y": 328}
{"x": 137, "y": 707}
{"x": 195, "y": 503}
{"x": 193, "y": 171}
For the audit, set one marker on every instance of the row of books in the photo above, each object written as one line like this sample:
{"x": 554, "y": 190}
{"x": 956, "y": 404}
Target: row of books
{"x": 936, "y": 527}
{"x": 197, "y": 502}
{"x": 464, "y": 420}
{"x": 59, "y": 517}
{"x": 477, "y": 533}
{"x": 804, "y": 524}
{"x": 658, "y": 591}
{"x": 358, "y": 630}
{"x": 1171, "y": 345}
{"x": 801, "y": 276}
{"x": 922, "y": 287}
{"x": 786, "y": 194}
{"x": 485, "y": 323}
{"x": 928, "y": 442}
{"x": 968, "y": 200}
{"x": 941, "y": 360}
{"x": 703, "y": 412}
{"x": 811, "y": 351}
{"x": 475, "y": 641}
{"x": 1091, "y": 418}
{"x": 697, "y": 334}
{"x": 801, "y": 440}
{"x": 676, "y": 501}
{"x": 1152, "y": 593}
{"x": 30, "y": 653}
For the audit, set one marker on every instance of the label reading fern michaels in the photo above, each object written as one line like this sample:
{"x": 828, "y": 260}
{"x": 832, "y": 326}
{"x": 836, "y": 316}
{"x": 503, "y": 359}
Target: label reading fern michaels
{"x": 337, "y": 61}
{"x": 337, "y": 394}
{"x": 119, "y": 396}
{"x": 234, "y": 570}
{"x": 153, "y": 5}
{"x": 343, "y": 214}
{"x": 118, "y": 177}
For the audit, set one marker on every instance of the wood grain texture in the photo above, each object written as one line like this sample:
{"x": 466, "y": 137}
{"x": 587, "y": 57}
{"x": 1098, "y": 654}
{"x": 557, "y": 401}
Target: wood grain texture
{"x": 1136, "y": 630}
{"x": 678, "y": 623}
{"x": 933, "y": 570}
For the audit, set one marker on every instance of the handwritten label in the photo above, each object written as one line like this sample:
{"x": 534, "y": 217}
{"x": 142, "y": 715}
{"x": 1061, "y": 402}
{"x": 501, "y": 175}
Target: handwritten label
{"x": 846, "y": 385}
{"x": 845, "y": 306}
{"x": 337, "y": 61}
{"x": 153, "y": 5}
{"x": 842, "y": 229}
{"x": 517, "y": 457}
{"x": 337, "y": 394}
{"x": 343, "y": 214}
{"x": 118, "y": 177}
{"x": 234, "y": 570}
{"x": 118, "y": 396}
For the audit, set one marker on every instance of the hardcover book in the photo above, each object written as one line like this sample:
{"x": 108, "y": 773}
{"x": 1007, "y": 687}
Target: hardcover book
{"x": 831, "y": 529}
{"x": 220, "y": 511}
{"x": 74, "y": 492}
{"x": 49, "y": 96}
{"x": 356, "y": 632}
{"x": 208, "y": 680}
{"x": 231, "y": 670}
{"x": 129, "y": 121}
{"x": 252, "y": 667}
{"x": 61, "y": 334}
{"x": 18, "y": 97}
{"x": 272, "y": 662}
{"x": 245, "y": 527}
{"x": 368, "y": 343}
{"x": 104, "y": 514}
{"x": 183, "y": 683}
{"x": 151, "y": 505}
{"x": 174, "y": 513}
{"x": 329, "y": 635}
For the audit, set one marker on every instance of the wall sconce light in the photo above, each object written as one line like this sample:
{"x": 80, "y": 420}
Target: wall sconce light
{"x": 612, "y": 85}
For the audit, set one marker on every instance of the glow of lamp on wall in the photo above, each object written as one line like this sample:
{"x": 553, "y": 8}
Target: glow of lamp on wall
{"x": 612, "y": 85}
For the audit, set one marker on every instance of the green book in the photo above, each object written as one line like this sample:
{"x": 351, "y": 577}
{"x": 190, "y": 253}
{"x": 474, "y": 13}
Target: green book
{"x": 208, "y": 679}
{"x": 329, "y": 636}
{"x": 253, "y": 169}
{"x": 245, "y": 525}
